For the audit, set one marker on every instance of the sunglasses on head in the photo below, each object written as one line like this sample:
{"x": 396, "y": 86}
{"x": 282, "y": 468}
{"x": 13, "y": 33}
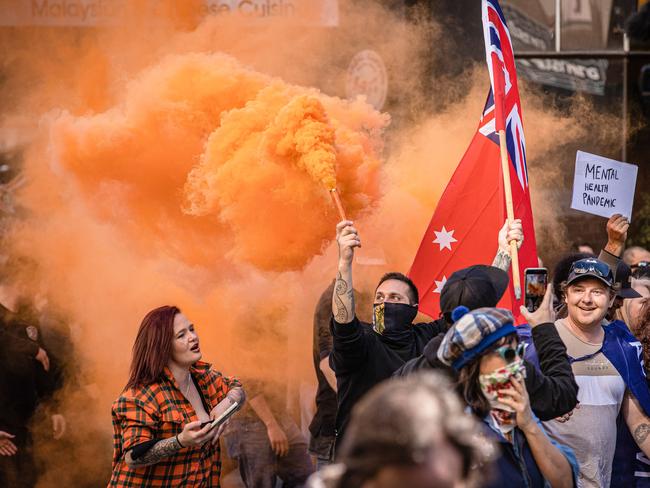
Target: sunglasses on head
{"x": 509, "y": 353}
{"x": 592, "y": 266}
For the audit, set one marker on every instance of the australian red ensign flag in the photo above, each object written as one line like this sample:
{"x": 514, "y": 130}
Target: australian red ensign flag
{"x": 465, "y": 225}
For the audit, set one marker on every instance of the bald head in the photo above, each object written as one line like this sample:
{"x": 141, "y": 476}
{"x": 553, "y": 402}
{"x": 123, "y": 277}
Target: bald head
{"x": 635, "y": 254}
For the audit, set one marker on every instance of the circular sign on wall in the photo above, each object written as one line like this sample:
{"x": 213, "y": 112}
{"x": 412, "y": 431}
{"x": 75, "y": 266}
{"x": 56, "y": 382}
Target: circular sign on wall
{"x": 366, "y": 75}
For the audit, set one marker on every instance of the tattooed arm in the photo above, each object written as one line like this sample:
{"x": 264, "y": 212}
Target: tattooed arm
{"x": 193, "y": 435}
{"x": 343, "y": 299}
{"x": 502, "y": 260}
{"x": 637, "y": 421}
{"x": 509, "y": 232}
{"x": 347, "y": 238}
{"x": 159, "y": 451}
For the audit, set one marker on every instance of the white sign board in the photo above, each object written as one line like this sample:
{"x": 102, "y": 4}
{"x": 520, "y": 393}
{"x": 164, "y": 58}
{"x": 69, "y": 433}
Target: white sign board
{"x": 90, "y": 13}
{"x": 603, "y": 186}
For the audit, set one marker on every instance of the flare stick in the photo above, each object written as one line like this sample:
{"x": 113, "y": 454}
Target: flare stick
{"x": 337, "y": 202}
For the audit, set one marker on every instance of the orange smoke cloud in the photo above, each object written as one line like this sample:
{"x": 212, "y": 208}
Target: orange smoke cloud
{"x": 165, "y": 172}
{"x": 272, "y": 151}
{"x": 274, "y": 158}
{"x": 303, "y": 134}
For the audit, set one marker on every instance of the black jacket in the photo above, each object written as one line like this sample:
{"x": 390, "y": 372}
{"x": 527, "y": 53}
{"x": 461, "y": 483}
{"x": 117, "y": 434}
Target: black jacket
{"x": 362, "y": 358}
{"x": 323, "y": 423}
{"x": 552, "y": 388}
{"x": 23, "y": 381}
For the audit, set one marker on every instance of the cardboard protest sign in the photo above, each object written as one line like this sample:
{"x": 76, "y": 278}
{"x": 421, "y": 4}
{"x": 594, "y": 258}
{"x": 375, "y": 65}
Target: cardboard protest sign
{"x": 603, "y": 186}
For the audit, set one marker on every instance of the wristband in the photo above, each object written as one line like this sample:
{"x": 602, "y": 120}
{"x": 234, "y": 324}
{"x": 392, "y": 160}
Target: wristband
{"x": 179, "y": 442}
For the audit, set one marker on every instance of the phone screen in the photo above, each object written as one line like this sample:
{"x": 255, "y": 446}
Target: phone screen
{"x": 536, "y": 280}
{"x": 223, "y": 417}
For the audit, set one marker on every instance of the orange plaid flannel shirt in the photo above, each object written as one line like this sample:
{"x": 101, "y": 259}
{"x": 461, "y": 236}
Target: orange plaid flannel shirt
{"x": 159, "y": 411}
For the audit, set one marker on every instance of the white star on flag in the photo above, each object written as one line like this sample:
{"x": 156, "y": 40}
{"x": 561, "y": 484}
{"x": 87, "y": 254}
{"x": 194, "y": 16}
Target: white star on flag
{"x": 444, "y": 238}
{"x": 440, "y": 284}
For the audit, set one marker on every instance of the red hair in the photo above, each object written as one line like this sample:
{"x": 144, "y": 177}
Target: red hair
{"x": 153, "y": 346}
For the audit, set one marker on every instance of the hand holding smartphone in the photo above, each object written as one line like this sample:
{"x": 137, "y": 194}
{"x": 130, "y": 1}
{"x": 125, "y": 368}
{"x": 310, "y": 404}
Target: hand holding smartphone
{"x": 535, "y": 282}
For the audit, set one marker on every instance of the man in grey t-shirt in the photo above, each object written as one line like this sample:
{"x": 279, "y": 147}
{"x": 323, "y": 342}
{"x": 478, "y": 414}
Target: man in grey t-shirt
{"x": 591, "y": 430}
{"x": 600, "y": 395}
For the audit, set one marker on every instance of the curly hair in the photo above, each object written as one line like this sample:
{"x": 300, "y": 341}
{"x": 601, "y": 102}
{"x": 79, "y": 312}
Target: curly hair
{"x": 400, "y": 422}
{"x": 642, "y": 332}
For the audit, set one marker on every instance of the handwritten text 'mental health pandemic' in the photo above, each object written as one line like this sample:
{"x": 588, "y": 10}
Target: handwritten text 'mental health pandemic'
{"x": 599, "y": 176}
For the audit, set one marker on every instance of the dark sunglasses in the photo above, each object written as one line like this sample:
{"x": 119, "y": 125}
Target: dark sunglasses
{"x": 645, "y": 265}
{"x": 510, "y": 354}
{"x": 592, "y": 266}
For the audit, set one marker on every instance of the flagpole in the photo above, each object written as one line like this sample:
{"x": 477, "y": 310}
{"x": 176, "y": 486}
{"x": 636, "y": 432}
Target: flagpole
{"x": 510, "y": 212}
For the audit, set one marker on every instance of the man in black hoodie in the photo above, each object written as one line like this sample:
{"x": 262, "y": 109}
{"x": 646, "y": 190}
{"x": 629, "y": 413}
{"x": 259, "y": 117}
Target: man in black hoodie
{"x": 364, "y": 355}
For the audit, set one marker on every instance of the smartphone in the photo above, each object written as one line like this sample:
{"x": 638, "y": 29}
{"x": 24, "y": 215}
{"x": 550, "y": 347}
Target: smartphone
{"x": 536, "y": 280}
{"x": 223, "y": 417}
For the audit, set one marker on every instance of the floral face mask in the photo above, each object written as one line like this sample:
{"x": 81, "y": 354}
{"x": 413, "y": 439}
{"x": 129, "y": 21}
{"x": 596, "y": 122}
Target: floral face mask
{"x": 492, "y": 383}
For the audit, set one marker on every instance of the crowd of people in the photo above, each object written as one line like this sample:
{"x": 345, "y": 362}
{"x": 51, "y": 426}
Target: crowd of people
{"x": 472, "y": 398}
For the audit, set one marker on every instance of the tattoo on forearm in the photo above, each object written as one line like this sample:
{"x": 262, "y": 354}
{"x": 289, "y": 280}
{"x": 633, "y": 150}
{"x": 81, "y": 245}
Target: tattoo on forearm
{"x": 502, "y": 260}
{"x": 160, "y": 451}
{"x": 341, "y": 288}
{"x": 641, "y": 433}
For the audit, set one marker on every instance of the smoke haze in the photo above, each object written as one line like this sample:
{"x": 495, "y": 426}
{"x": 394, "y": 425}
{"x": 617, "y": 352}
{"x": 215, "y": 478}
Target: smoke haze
{"x": 182, "y": 160}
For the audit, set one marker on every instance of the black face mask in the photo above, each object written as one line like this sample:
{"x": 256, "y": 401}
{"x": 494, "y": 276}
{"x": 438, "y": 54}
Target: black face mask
{"x": 392, "y": 317}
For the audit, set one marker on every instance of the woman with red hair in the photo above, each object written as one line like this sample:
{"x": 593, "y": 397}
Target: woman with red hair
{"x": 158, "y": 439}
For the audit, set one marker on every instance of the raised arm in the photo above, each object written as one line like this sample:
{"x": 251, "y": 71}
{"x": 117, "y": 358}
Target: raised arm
{"x": 511, "y": 231}
{"x": 617, "y": 227}
{"x": 347, "y": 238}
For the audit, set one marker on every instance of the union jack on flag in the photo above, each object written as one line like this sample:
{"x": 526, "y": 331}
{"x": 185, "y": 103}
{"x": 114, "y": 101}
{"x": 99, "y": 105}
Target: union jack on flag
{"x": 472, "y": 209}
{"x": 503, "y": 108}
